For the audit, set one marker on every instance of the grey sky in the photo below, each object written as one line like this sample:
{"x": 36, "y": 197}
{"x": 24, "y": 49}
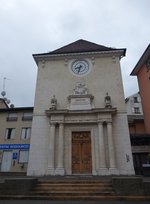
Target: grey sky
{"x": 36, "y": 26}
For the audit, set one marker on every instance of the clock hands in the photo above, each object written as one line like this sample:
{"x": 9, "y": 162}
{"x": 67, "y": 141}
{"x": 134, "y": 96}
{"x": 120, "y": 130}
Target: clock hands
{"x": 79, "y": 68}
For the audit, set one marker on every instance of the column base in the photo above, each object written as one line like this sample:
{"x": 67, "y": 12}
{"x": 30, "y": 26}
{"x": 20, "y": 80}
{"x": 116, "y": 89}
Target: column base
{"x": 60, "y": 171}
{"x": 94, "y": 173}
{"x": 103, "y": 171}
{"x": 113, "y": 171}
{"x": 51, "y": 171}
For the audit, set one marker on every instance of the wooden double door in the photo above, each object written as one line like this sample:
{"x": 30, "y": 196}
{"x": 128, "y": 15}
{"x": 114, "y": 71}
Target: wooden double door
{"x": 81, "y": 153}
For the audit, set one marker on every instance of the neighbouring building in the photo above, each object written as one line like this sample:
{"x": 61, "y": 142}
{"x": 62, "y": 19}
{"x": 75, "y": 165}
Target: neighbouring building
{"x": 140, "y": 140}
{"x": 80, "y": 123}
{"x": 142, "y": 71}
{"x": 3, "y": 104}
{"x": 133, "y": 104}
{"x": 15, "y": 131}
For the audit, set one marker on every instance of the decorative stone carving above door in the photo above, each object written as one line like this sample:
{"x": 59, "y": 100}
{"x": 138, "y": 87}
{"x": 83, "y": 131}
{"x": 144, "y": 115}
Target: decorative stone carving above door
{"x": 80, "y": 100}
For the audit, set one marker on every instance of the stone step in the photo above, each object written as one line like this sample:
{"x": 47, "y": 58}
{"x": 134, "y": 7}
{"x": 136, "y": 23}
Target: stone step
{"x": 71, "y": 185}
{"x": 71, "y": 193}
{"x": 72, "y": 188}
{"x": 74, "y": 181}
{"x": 74, "y": 184}
{"x": 76, "y": 197}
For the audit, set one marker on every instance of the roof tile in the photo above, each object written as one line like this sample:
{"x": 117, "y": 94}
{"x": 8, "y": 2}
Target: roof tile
{"x": 81, "y": 46}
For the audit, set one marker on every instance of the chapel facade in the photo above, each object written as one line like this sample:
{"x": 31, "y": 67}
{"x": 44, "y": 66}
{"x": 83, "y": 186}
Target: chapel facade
{"x": 79, "y": 123}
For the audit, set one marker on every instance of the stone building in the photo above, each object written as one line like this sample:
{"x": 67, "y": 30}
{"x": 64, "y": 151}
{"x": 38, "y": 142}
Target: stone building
{"x": 79, "y": 122}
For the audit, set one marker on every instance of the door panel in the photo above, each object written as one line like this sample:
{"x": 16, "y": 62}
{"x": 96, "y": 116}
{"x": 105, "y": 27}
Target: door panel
{"x": 81, "y": 153}
{"x": 76, "y": 157}
{"x": 86, "y": 158}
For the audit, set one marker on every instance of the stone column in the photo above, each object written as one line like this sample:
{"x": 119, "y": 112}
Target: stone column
{"x": 51, "y": 152}
{"x": 60, "y": 152}
{"x": 102, "y": 156}
{"x": 111, "y": 150}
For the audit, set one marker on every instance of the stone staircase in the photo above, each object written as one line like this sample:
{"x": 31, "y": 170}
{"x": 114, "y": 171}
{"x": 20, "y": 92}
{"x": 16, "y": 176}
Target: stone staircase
{"x": 69, "y": 189}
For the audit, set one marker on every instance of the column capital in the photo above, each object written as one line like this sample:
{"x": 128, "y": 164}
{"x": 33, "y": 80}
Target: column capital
{"x": 52, "y": 123}
{"x": 61, "y": 123}
{"x": 100, "y": 121}
{"x": 109, "y": 122}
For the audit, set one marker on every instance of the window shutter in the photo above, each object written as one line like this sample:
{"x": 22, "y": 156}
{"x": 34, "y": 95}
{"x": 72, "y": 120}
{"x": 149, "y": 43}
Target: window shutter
{"x": 13, "y": 133}
{"x": 28, "y": 133}
{"x": 6, "y": 134}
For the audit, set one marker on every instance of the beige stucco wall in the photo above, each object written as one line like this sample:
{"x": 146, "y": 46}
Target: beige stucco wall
{"x": 54, "y": 78}
{"x": 18, "y": 125}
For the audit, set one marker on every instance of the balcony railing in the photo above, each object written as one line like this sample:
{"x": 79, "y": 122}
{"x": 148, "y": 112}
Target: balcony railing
{"x": 140, "y": 139}
{"x": 26, "y": 118}
{"x": 12, "y": 118}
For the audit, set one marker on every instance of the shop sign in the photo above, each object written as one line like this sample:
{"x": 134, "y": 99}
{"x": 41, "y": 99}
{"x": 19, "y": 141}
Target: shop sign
{"x": 14, "y": 146}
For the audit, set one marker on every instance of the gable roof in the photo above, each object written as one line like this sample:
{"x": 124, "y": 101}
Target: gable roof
{"x": 3, "y": 104}
{"x": 141, "y": 61}
{"x": 81, "y": 46}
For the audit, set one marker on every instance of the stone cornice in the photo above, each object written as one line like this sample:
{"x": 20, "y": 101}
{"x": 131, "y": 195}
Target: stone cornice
{"x": 40, "y": 57}
{"x": 75, "y": 112}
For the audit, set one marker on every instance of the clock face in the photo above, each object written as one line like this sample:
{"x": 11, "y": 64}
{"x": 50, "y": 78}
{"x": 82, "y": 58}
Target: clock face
{"x": 80, "y": 67}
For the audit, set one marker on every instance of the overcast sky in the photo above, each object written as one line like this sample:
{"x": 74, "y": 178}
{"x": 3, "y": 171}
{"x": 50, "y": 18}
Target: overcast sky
{"x": 37, "y": 26}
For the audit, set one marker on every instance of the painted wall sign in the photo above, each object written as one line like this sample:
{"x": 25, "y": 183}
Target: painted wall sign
{"x": 14, "y": 146}
{"x": 15, "y": 155}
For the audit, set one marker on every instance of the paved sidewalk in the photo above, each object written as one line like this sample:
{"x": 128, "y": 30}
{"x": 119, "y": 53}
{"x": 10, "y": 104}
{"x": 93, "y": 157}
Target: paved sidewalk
{"x": 69, "y": 202}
